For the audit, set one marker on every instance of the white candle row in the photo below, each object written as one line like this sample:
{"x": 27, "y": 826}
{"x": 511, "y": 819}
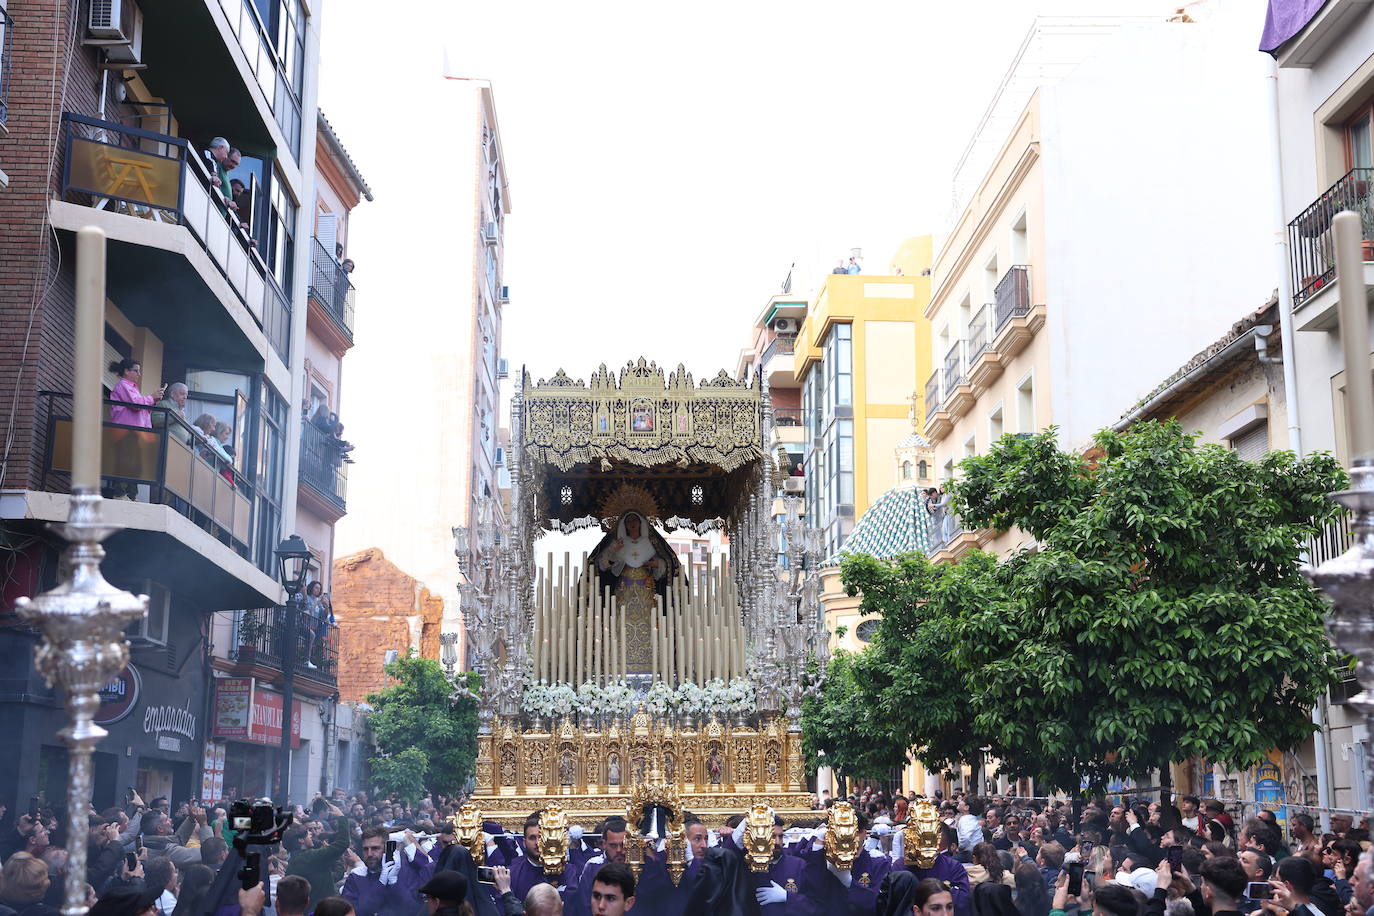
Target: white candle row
{"x": 580, "y": 631}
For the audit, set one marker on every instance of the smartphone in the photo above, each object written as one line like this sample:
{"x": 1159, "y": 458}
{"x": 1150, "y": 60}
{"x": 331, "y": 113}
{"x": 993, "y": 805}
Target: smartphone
{"x": 131, "y": 860}
{"x": 138, "y": 842}
{"x": 391, "y": 849}
{"x": 1087, "y": 847}
{"x": 33, "y": 807}
{"x": 486, "y": 874}
{"x": 1258, "y": 890}
{"x": 1075, "y": 870}
{"x": 1175, "y": 854}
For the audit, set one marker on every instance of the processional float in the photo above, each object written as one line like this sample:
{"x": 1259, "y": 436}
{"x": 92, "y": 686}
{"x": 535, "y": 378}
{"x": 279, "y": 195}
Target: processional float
{"x": 613, "y": 683}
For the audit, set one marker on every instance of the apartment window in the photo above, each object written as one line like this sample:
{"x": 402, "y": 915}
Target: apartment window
{"x": 907, "y": 470}
{"x": 990, "y": 278}
{"x": 281, "y": 232}
{"x": 970, "y": 447}
{"x": 922, "y": 470}
{"x": 1359, "y": 144}
{"x": 839, "y": 367}
{"x": 1020, "y": 242}
{"x": 995, "y": 425}
{"x": 271, "y": 452}
{"x": 1025, "y": 405}
{"x": 5, "y": 29}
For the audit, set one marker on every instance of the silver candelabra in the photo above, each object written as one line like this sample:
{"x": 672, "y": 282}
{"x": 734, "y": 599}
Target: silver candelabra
{"x": 83, "y": 621}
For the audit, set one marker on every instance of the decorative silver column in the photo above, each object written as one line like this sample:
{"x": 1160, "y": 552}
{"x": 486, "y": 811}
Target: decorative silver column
{"x": 83, "y": 621}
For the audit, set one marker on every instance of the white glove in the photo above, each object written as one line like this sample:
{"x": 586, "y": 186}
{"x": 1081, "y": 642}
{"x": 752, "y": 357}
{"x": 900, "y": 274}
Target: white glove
{"x": 575, "y": 832}
{"x": 738, "y": 835}
{"x": 391, "y": 871}
{"x": 687, "y": 853}
{"x": 771, "y": 894}
{"x": 360, "y": 870}
{"x": 881, "y": 829}
{"x": 712, "y": 839}
{"x": 841, "y": 874}
{"x": 872, "y": 844}
{"x": 898, "y": 846}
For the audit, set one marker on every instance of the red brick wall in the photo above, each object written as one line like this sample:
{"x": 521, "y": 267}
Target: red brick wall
{"x": 379, "y": 607}
{"x": 36, "y": 276}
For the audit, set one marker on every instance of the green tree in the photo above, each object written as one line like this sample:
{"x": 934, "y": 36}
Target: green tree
{"x": 426, "y": 729}
{"x": 836, "y": 734}
{"x": 1161, "y": 614}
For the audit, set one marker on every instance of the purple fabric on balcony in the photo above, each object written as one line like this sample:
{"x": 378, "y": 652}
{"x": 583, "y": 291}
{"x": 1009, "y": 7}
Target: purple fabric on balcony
{"x": 1285, "y": 19}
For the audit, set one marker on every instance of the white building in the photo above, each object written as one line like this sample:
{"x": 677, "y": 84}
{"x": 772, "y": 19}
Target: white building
{"x": 1325, "y": 105}
{"x": 430, "y": 361}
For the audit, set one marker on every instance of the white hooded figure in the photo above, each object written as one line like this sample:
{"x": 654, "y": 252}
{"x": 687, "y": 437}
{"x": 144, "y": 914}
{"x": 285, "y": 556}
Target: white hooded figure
{"x": 632, "y": 549}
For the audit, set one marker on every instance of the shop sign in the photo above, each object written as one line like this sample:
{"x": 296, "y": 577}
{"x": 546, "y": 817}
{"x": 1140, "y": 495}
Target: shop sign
{"x": 248, "y": 711}
{"x": 119, "y": 697}
{"x": 175, "y": 719}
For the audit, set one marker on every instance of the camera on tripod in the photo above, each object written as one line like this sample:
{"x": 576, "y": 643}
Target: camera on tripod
{"x": 255, "y": 825}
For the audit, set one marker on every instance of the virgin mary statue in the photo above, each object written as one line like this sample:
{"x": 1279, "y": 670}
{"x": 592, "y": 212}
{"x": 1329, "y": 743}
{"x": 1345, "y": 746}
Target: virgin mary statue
{"x": 635, "y": 563}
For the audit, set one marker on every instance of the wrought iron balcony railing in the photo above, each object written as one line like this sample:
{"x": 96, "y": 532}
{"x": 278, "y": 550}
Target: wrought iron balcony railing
{"x": 980, "y": 332}
{"x": 954, "y": 367}
{"x": 788, "y": 416}
{"x": 1012, "y": 295}
{"x": 261, "y": 639}
{"x": 158, "y": 177}
{"x": 322, "y": 465}
{"x": 933, "y": 393}
{"x": 331, "y": 286}
{"x": 1311, "y": 248}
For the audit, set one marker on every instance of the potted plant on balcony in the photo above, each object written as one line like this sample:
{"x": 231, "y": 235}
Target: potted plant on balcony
{"x": 252, "y": 627}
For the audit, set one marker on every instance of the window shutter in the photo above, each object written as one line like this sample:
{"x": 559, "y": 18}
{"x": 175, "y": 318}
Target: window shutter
{"x": 1253, "y": 444}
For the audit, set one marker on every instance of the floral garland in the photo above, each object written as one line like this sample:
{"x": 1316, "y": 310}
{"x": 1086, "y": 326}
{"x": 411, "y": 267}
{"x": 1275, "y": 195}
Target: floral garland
{"x": 717, "y": 698}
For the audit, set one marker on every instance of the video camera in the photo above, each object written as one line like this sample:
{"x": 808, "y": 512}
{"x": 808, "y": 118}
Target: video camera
{"x": 254, "y": 825}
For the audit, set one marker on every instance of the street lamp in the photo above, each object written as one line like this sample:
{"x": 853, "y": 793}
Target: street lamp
{"x": 294, "y": 561}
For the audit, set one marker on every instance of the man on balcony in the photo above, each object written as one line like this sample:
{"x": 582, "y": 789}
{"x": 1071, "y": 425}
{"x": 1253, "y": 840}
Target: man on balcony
{"x": 216, "y": 160}
{"x": 172, "y": 408}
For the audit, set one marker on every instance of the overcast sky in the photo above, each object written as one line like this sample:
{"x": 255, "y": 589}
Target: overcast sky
{"x": 668, "y": 162}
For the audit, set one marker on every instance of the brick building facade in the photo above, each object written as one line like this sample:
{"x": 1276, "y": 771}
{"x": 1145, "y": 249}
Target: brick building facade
{"x": 381, "y": 609}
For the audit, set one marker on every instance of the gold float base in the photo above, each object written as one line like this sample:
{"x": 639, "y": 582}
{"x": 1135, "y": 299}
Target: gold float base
{"x": 718, "y": 769}
{"x": 588, "y": 809}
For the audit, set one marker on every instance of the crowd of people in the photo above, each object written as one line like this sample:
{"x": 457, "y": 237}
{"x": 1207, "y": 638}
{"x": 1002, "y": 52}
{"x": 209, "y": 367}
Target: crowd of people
{"x": 997, "y": 856}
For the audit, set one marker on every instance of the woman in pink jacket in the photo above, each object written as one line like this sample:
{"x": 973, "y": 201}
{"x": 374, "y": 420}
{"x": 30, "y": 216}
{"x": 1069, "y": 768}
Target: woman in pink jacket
{"x": 130, "y": 408}
{"x": 127, "y": 391}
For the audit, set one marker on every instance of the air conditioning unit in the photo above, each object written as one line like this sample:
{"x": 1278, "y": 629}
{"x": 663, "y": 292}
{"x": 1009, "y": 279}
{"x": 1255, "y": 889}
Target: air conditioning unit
{"x": 502, "y": 368}
{"x": 794, "y": 485}
{"x": 500, "y": 457}
{"x": 504, "y": 298}
{"x": 785, "y": 325}
{"x": 151, "y": 629}
{"x": 116, "y": 26}
{"x": 491, "y": 232}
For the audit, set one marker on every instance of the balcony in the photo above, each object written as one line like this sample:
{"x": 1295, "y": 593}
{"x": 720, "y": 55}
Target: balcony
{"x": 260, "y": 644}
{"x": 187, "y": 515}
{"x": 777, "y": 362}
{"x": 958, "y": 390}
{"x": 985, "y": 363}
{"x": 332, "y": 297}
{"x": 165, "y": 222}
{"x": 323, "y": 473}
{"x": 1312, "y": 254}
{"x": 1016, "y": 319}
{"x": 950, "y": 540}
{"x": 1333, "y": 541}
{"x": 938, "y": 420}
{"x": 789, "y": 426}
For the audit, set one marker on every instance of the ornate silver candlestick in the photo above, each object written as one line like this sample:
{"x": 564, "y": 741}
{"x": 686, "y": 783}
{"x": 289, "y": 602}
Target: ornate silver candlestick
{"x": 83, "y": 621}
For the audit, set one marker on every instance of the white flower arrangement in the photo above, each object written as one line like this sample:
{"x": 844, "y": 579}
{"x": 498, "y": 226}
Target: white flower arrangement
{"x": 691, "y": 699}
{"x": 563, "y": 699}
{"x": 661, "y": 699}
{"x": 590, "y": 699}
{"x": 739, "y": 697}
{"x": 537, "y": 700}
{"x": 617, "y": 699}
{"x": 715, "y": 699}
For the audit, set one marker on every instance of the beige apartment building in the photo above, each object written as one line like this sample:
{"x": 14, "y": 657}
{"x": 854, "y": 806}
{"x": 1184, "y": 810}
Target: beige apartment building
{"x": 1084, "y": 263}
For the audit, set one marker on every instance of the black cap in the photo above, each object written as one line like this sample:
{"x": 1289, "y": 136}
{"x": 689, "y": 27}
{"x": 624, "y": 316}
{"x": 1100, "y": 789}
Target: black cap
{"x": 446, "y": 885}
{"x": 124, "y": 901}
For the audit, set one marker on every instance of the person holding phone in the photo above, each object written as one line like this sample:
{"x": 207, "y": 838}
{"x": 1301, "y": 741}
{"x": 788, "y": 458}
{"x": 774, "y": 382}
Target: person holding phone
{"x": 314, "y": 862}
